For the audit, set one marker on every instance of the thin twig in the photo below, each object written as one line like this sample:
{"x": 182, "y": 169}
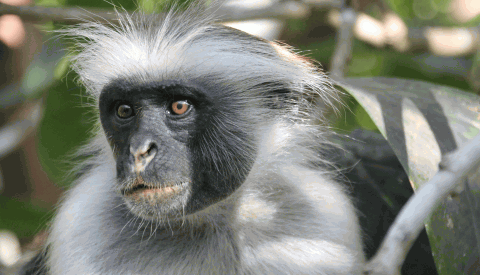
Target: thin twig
{"x": 454, "y": 168}
{"x": 343, "y": 49}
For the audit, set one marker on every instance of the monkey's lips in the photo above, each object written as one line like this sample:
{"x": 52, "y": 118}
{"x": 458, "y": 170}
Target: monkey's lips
{"x": 151, "y": 192}
{"x": 156, "y": 201}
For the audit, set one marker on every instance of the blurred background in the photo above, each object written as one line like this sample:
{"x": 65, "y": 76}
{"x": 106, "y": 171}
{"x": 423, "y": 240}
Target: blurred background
{"x": 45, "y": 114}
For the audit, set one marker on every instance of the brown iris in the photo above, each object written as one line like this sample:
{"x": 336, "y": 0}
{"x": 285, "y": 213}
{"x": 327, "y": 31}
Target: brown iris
{"x": 124, "y": 111}
{"x": 180, "y": 107}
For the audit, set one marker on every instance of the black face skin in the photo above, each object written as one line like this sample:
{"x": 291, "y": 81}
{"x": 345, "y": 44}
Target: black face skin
{"x": 190, "y": 160}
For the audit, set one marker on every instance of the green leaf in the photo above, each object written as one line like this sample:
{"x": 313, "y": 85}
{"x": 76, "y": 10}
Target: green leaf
{"x": 147, "y": 5}
{"x": 441, "y": 5}
{"x": 50, "y": 3}
{"x": 67, "y": 124}
{"x": 404, "y": 8}
{"x": 39, "y": 74}
{"x": 424, "y": 9}
{"x": 21, "y": 217}
{"x": 62, "y": 68}
{"x": 363, "y": 119}
{"x": 422, "y": 122}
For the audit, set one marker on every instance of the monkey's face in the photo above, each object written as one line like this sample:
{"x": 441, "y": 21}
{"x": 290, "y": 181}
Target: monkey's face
{"x": 178, "y": 148}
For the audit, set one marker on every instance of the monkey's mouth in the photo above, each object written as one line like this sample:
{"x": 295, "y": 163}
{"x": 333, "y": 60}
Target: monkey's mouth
{"x": 156, "y": 201}
{"x": 143, "y": 190}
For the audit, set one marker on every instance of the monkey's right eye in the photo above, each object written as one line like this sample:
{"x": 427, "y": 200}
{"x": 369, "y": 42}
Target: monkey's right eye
{"x": 124, "y": 111}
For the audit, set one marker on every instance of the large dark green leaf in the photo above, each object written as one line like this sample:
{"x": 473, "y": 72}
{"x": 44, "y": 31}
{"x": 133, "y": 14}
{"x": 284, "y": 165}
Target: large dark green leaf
{"x": 23, "y": 218}
{"x": 422, "y": 122}
{"x": 67, "y": 124}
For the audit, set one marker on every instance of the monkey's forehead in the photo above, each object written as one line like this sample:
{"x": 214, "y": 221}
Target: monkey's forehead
{"x": 126, "y": 88}
{"x": 184, "y": 50}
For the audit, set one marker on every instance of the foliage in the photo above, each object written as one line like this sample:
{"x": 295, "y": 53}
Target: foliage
{"x": 427, "y": 12}
{"x": 67, "y": 123}
{"x": 423, "y": 122}
{"x": 22, "y": 218}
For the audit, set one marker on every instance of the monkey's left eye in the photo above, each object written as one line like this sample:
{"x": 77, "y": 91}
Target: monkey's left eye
{"x": 180, "y": 107}
{"x": 124, "y": 111}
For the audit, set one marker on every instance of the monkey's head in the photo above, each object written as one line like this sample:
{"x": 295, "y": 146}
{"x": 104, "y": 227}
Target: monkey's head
{"x": 179, "y": 146}
{"x": 184, "y": 103}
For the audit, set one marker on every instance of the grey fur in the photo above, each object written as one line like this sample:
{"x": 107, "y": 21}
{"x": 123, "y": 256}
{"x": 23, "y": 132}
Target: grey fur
{"x": 286, "y": 218}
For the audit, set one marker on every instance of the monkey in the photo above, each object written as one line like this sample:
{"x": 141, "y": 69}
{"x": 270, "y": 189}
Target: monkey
{"x": 202, "y": 158}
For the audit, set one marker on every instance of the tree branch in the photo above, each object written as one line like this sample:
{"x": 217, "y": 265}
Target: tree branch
{"x": 13, "y": 134}
{"x": 454, "y": 168}
{"x": 38, "y": 14}
{"x": 343, "y": 49}
{"x": 68, "y": 15}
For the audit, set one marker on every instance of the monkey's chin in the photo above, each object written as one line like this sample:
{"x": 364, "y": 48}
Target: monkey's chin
{"x": 157, "y": 203}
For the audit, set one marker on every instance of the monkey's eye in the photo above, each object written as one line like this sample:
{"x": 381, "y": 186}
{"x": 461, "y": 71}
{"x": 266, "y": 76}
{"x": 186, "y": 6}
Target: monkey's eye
{"x": 124, "y": 111}
{"x": 180, "y": 107}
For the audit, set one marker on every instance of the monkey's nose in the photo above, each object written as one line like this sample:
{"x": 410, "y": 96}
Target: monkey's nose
{"x": 143, "y": 155}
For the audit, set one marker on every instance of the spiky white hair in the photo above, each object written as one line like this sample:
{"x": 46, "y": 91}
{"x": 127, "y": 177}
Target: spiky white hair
{"x": 187, "y": 46}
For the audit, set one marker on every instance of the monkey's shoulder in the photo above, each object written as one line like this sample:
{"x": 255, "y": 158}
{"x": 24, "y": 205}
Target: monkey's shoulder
{"x": 297, "y": 221}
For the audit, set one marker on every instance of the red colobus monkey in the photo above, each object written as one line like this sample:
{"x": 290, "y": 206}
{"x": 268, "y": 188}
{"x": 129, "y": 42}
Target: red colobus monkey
{"x": 202, "y": 159}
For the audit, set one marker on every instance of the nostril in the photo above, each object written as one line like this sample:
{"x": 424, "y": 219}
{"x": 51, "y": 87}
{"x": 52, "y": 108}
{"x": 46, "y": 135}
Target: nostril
{"x": 147, "y": 149}
{"x": 152, "y": 150}
{"x": 143, "y": 155}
